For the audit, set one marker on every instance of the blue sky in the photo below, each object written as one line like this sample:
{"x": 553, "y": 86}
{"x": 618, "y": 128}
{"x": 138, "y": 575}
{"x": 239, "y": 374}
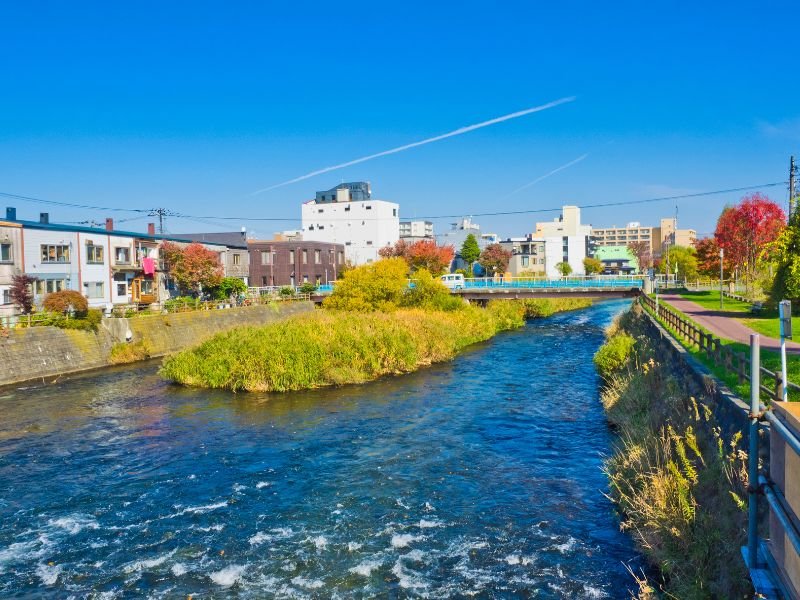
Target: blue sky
{"x": 195, "y": 105}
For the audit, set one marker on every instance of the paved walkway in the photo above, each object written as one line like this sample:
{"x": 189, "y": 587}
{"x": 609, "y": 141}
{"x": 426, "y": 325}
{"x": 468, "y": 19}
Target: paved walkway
{"x": 724, "y": 326}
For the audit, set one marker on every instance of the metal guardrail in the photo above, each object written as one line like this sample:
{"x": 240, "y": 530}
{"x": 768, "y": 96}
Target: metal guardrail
{"x": 580, "y": 282}
{"x": 722, "y": 356}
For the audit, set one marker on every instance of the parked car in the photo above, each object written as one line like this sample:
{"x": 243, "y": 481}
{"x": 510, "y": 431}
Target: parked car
{"x": 453, "y": 281}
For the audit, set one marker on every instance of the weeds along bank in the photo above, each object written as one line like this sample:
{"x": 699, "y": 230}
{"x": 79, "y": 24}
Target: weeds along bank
{"x": 679, "y": 486}
{"x": 372, "y": 325}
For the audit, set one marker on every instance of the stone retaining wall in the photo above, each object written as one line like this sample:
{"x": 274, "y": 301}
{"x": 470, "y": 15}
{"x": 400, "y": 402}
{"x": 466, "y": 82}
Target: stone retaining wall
{"x": 47, "y": 352}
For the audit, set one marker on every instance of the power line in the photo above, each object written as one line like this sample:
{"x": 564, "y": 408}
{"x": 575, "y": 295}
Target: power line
{"x": 161, "y": 212}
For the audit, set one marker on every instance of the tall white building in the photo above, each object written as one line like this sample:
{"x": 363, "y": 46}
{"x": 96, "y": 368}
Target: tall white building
{"x": 565, "y": 240}
{"x": 348, "y": 215}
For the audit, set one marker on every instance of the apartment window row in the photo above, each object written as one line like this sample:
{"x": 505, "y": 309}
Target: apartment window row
{"x": 55, "y": 253}
{"x": 43, "y": 287}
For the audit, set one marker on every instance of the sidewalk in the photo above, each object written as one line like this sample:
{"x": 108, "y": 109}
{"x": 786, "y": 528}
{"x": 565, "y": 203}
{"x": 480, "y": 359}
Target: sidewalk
{"x": 724, "y": 326}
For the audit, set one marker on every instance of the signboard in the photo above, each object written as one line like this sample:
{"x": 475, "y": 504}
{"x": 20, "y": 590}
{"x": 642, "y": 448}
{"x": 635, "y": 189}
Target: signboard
{"x": 785, "y": 312}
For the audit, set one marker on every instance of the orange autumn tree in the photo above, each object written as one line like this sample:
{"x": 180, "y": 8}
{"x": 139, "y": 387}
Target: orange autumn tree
{"x": 193, "y": 267}
{"x": 424, "y": 254}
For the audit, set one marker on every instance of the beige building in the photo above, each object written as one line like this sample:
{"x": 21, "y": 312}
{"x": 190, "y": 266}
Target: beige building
{"x": 527, "y": 256}
{"x": 654, "y": 237}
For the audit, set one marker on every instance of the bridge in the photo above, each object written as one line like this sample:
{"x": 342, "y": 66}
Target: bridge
{"x": 590, "y": 286}
{"x": 482, "y": 289}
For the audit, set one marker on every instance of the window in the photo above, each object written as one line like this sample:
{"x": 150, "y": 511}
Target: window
{"x": 48, "y": 286}
{"x": 94, "y": 255}
{"x": 525, "y": 261}
{"x": 305, "y": 257}
{"x": 265, "y": 258}
{"x": 5, "y": 254}
{"x": 264, "y": 280}
{"x": 368, "y": 207}
{"x": 321, "y": 210}
{"x": 369, "y": 243}
{"x": 317, "y": 257}
{"x": 122, "y": 256}
{"x": 347, "y": 209}
{"x": 341, "y": 257}
{"x": 237, "y": 259}
{"x": 347, "y": 243}
{"x": 55, "y": 254}
{"x": 319, "y": 280}
{"x": 305, "y": 278}
{"x": 291, "y": 256}
{"x": 122, "y": 289}
{"x": 330, "y": 257}
{"x": 394, "y": 212}
{"x": 94, "y": 289}
{"x": 6, "y": 297}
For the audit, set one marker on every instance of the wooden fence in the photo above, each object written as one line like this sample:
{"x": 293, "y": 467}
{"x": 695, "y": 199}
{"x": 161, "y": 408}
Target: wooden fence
{"x": 732, "y": 361}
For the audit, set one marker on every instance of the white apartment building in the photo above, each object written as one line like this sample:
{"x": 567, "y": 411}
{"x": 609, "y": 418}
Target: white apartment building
{"x": 416, "y": 229}
{"x": 363, "y": 226}
{"x": 565, "y": 240}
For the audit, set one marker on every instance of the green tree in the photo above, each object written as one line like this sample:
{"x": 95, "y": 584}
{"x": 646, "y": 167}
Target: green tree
{"x": 564, "y": 268}
{"x": 228, "y": 287}
{"x": 592, "y": 265}
{"x": 786, "y": 250}
{"x": 375, "y": 286}
{"x": 470, "y": 251}
{"x": 685, "y": 259}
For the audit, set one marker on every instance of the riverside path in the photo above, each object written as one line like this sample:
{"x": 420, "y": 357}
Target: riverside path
{"x": 723, "y": 325}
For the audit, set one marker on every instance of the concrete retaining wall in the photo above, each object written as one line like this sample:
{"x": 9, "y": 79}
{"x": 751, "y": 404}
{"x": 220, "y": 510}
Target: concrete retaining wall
{"x": 46, "y": 352}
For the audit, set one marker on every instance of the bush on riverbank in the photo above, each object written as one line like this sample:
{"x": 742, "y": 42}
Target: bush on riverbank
{"x": 335, "y": 347}
{"x": 679, "y": 486}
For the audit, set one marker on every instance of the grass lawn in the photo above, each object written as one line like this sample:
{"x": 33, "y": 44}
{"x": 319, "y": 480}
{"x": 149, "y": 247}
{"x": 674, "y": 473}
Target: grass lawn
{"x": 769, "y": 360}
{"x": 765, "y": 323}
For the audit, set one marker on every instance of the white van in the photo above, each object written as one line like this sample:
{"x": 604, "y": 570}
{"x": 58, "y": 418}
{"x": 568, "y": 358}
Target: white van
{"x": 453, "y": 281}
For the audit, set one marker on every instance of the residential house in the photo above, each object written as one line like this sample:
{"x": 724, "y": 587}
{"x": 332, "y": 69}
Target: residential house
{"x": 11, "y": 261}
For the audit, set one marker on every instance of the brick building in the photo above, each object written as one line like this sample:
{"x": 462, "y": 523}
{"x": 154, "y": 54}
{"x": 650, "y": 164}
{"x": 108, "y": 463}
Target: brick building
{"x": 293, "y": 262}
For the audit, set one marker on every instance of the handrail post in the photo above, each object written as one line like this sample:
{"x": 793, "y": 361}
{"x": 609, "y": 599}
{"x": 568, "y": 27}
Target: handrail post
{"x": 752, "y": 459}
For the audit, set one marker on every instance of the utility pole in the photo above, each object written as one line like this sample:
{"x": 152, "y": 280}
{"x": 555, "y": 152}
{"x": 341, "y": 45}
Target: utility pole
{"x": 161, "y": 213}
{"x": 792, "y": 175}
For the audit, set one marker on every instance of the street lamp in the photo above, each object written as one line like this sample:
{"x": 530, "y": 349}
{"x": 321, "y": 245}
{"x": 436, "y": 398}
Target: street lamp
{"x": 721, "y": 256}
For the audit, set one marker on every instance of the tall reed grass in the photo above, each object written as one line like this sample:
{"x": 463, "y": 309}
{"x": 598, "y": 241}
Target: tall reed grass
{"x": 679, "y": 486}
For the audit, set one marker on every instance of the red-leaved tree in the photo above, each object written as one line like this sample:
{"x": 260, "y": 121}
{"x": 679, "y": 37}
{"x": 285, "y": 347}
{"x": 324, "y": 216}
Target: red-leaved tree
{"x": 707, "y": 253}
{"x": 745, "y": 232}
{"x": 494, "y": 259}
{"x": 193, "y": 267}
{"x": 423, "y": 254}
{"x": 21, "y": 292}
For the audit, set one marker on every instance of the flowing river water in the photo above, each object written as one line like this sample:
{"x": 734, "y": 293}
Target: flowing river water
{"x": 477, "y": 478}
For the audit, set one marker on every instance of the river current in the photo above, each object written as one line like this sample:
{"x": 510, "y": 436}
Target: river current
{"x": 477, "y": 478}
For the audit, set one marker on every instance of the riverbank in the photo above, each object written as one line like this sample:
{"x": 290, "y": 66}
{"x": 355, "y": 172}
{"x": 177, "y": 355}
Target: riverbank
{"x": 332, "y": 347}
{"x": 678, "y": 479}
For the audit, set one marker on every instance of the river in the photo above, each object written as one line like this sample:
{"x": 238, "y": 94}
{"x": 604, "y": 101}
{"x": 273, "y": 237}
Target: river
{"x": 477, "y": 478}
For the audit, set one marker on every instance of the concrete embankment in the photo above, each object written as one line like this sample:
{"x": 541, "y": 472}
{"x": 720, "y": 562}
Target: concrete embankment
{"x": 41, "y": 352}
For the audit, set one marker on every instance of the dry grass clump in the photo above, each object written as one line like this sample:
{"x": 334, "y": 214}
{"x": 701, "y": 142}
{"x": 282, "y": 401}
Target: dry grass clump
{"x": 679, "y": 486}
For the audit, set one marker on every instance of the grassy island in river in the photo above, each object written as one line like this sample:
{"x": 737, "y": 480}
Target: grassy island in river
{"x": 374, "y": 325}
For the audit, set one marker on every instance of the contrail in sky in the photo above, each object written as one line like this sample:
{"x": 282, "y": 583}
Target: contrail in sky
{"x": 546, "y": 175}
{"x": 458, "y": 131}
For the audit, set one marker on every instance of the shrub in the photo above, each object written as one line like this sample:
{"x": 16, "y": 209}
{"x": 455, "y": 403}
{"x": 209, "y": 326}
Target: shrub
{"x": 375, "y": 286}
{"x": 613, "y": 354}
{"x": 286, "y": 291}
{"x": 122, "y": 352}
{"x": 229, "y": 286}
{"x": 89, "y": 322}
{"x": 59, "y": 302}
{"x": 428, "y": 292}
{"x": 174, "y": 304}
{"x": 308, "y": 288}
